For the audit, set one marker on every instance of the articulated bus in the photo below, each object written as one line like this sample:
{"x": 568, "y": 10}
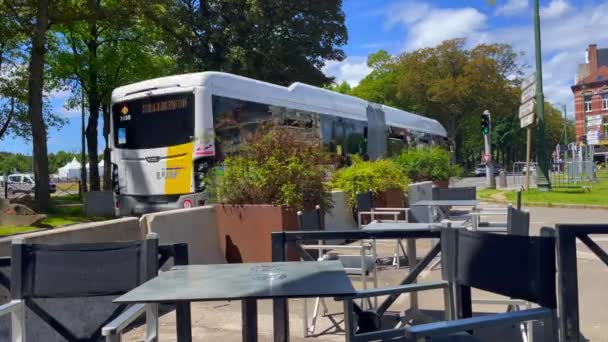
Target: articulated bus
{"x": 168, "y": 133}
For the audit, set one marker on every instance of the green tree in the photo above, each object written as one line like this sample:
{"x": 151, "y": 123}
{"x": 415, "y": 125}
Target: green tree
{"x": 381, "y": 84}
{"x": 342, "y": 88}
{"x": 279, "y": 41}
{"x": 113, "y": 46}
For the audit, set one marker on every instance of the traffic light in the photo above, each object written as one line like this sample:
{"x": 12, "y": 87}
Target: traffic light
{"x": 485, "y": 123}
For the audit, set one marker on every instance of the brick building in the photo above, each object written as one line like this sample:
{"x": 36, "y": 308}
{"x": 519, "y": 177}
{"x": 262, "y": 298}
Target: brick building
{"x": 591, "y": 95}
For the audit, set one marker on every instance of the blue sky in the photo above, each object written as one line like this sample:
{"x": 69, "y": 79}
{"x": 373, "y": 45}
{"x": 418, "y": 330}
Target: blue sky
{"x": 568, "y": 27}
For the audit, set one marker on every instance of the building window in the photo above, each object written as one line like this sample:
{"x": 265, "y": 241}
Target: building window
{"x": 587, "y": 100}
{"x": 605, "y": 101}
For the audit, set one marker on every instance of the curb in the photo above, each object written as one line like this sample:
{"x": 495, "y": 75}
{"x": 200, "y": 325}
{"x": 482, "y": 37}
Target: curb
{"x": 552, "y": 205}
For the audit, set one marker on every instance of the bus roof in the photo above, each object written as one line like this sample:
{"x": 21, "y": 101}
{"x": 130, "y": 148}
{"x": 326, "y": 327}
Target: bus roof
{"x": 297, "y": 95}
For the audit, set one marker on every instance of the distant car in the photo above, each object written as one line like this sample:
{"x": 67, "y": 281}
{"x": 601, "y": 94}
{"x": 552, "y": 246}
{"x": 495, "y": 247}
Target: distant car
{"x": 480, "y": 170}
{"x": 24, "y": 183}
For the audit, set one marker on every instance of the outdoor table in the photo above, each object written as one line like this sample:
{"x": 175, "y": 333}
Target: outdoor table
{"x": 245, "y": 282}
{"x": 446, "y": 203}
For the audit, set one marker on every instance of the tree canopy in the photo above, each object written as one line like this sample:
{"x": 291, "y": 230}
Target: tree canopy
{"x": 279, "y": 41}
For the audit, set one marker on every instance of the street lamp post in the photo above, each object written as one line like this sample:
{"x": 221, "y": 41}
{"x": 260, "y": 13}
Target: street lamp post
{"x": 542, "y": 155}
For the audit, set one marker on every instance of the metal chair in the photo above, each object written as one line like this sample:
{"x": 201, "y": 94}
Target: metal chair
{"x": 518, "y": 224}
{"x": 484, "y": 261}
{"x": 362, "y": 264}
{"x": 85, "y": 270}
{"x": 365, "y": 207}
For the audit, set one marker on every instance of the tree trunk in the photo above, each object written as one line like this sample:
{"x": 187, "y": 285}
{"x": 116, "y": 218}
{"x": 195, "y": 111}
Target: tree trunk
{"x": 107, "y": 160}
{"x": 93, "y": 95}
{"x": 35, "y": 87}
{"x": 9, "y": 118}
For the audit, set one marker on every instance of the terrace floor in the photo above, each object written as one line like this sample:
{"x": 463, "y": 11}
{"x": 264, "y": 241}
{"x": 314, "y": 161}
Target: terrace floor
{"x": 220, "y": 321}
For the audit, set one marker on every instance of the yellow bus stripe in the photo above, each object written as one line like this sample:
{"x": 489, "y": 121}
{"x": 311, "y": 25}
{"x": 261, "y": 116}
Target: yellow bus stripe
{"x": 178, "y": 178}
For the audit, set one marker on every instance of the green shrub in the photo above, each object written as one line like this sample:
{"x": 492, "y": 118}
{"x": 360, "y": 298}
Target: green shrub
{"x": 361, "y": 176}
{"x": 427, "y": 164}
{"x": 275, "y": 168}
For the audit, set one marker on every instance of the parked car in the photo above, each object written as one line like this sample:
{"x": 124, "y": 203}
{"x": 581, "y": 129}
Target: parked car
{"x": 480, "y": 170}
{"x": 24, "y": 183}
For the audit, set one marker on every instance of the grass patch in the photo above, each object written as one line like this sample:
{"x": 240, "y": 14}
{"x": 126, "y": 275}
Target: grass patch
{"x": 597, "y": 195}
{"x": 58, "y": 216}
{"x": 6, "y": 230}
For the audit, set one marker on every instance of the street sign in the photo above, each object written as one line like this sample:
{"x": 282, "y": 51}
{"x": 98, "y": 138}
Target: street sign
{"x": 528, "y": 93}
{"x": 528, "y": 81}
{"x": 486, "y": 158}
{"x": 527, "y": 108}
{"x": 527, "y": 120}
{"x": 593, "y": 137}
{"x": 594, "y": 120}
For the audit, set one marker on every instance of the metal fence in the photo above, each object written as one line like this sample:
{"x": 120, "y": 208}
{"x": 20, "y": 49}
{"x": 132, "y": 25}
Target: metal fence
{"x": 571, "y": 174}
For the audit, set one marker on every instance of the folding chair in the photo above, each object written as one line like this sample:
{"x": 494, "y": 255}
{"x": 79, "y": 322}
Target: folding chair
{"x": 484, "y": 261}
{"x": 40, "y": 273}
{"x": 518, "y": 224}
{"x": 362, "y": 264}
{"x": 365, "y": 207}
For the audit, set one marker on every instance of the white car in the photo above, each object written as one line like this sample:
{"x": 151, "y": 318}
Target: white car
{"x": 532, "y": 169}
{"x": 24, "y": 183}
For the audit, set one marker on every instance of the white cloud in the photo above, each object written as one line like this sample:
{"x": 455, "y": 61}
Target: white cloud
{"x": 428, "y": 26}
{"x": 563, "y": 41}
{"x": 70, "y": 112}
{"x": 352, "y": 70}
{"x": 512, "y": 7}
{"x": 555, "y": 9}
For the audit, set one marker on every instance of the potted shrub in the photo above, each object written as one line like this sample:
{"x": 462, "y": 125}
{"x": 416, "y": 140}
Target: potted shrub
{"x": 382, "y": 177}
{"x": 261, "y": 189}
{"x": 428, "y": 164}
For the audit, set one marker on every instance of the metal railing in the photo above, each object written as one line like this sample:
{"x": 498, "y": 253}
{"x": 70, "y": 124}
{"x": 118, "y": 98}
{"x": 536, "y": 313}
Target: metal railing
{"x": 567, "y": 273}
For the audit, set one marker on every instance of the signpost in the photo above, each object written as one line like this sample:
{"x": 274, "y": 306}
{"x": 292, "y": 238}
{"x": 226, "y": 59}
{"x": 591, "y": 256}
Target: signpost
{"x": 527, "y": 118}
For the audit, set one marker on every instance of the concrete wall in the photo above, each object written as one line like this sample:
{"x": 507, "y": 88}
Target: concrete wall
{"x": 195, "y": 226}
{"x": 123, "y": 229}
{"x": 99, "y": 203}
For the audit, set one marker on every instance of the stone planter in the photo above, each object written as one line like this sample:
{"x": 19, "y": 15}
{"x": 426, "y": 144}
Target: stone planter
{"x": 444, "y": 184}
{"x": 245, "y": 231}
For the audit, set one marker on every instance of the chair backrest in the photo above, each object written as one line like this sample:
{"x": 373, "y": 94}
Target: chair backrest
{"x": 365, "y": 201}
{"x": 42, "y": 273}
{"x": 521, "y": 267}
{"x": 419, "y": 192}
{"x": 518, "y": 222}
{"x": 310, "y": 219}
{"x": 452, "y": 194}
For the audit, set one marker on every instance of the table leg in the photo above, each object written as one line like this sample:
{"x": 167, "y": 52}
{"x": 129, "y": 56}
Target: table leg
{"x": 249, "y": 312}
{"x": 411, "y": 259}
{"x": 183, "y": 322}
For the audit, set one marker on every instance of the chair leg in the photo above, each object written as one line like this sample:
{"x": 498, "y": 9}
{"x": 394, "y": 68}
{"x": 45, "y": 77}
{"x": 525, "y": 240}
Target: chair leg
{"x": 305, "y": 317}
{"x": 18, "y": 323}
{"x": 315, "y": 315}
{"x": 151, "y": 322}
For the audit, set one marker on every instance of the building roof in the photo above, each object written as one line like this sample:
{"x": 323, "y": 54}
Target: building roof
{"x": 298, "y": 96}
{"x": 602, "y": 57}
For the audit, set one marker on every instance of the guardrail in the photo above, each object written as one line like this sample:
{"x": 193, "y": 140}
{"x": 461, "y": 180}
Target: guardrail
{"x": 567, "y": 289}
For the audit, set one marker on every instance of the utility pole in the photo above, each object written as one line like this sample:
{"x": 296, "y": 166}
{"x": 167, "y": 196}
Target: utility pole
{"x": 542, "y": 153}
{"x": 486, "y": 129}
{"x": 83, "y": 156}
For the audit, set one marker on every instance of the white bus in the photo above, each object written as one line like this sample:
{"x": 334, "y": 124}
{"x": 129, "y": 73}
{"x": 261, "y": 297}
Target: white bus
{"x": 168, "y": 133}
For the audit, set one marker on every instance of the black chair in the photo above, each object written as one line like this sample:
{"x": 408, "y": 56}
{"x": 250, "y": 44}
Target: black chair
{"x": 310, "y": 219}
{"x": 484, "y": 261}
{"x": 45, "y": 272}
{"x": 450, "y": 194}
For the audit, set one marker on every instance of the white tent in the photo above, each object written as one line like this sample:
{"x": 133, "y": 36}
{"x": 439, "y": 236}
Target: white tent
{"x": 70, "y": 170}
{"x": 99, "y": 168}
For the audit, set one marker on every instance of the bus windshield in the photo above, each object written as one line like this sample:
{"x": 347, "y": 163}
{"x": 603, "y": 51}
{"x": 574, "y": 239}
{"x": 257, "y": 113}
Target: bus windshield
{"x": 153, "y": 122}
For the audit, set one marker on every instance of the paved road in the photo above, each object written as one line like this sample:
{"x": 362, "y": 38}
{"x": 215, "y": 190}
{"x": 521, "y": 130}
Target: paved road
{"x": 221, "y": 320}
